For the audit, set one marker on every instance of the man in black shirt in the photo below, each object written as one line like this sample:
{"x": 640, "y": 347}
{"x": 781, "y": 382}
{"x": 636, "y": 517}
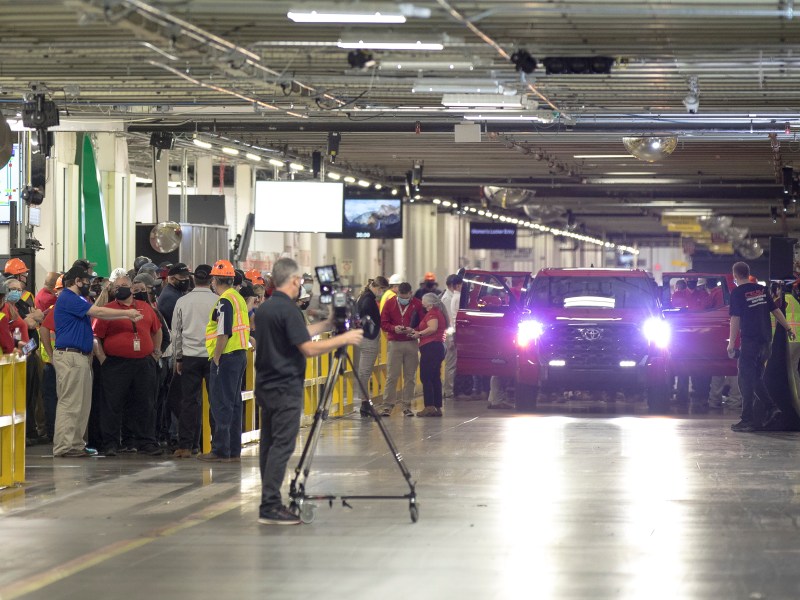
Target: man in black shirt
{"x": 750, "y": 308}
{"x": 283, "y": 343}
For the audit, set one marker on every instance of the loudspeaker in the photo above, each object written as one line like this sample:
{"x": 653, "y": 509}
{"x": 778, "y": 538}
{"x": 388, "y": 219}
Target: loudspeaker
{"x": 781, "y": 258}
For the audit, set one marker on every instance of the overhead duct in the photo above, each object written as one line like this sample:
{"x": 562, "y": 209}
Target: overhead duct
{"x": 650, "y": 149}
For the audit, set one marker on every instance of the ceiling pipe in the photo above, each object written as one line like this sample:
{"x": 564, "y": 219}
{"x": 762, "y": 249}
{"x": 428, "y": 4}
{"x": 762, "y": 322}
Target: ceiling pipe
{"x": 533, "y": 10}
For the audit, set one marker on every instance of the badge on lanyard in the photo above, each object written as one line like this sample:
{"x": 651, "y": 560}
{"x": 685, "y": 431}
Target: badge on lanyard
{"x": 137, "y": 343}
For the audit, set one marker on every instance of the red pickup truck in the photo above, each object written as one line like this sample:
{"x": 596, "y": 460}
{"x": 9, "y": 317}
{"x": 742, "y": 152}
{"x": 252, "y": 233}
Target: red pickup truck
{"x": 589, "y": 329}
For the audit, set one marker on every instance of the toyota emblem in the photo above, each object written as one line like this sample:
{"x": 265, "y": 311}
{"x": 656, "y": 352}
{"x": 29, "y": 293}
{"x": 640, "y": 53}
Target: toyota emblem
{"x": 591, "y": 334}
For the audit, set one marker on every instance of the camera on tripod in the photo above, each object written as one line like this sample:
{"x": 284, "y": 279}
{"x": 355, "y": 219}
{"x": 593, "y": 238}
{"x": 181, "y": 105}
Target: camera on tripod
{"x": 343, "y": 305}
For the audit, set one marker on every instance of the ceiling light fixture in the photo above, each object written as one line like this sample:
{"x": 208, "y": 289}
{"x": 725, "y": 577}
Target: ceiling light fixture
{"x": 394, "y": 192}
{"x": 601, "y": 156}
{"x": 277, "y": 163}
{"x": 349, "y": 179}
{"x": 379, "y": 42}
{"x": 296, "y": 167}
{"x": 201, "y": 144}
{"x": 442, "y": 85}
{"x": 230, "y": 151}
{"x": 378, "y": 14}
{"x": 251, "y": 156}
{"x": 334, "y": 176}
{"x": 498, "y": 116}
{"x": 650, "y": 149}
{"x": 420, "y": 65}
{"x": 378, "y": 186}
{"x": 482, "y": 100}
{"x": 364, "y": 183}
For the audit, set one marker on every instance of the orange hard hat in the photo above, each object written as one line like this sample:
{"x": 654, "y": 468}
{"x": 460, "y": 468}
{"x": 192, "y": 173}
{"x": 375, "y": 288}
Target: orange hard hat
{"x": 258, "y": 281}
{"x": 429, "y": 276}
{"x": 14, "y": 266}
{"x": 59, "y": 283}
{"x": 252, "y": 275}
{"x": 223, "y": 268}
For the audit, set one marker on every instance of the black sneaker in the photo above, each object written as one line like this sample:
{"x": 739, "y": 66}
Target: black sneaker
{"x": 127, "y": 450}
{"x": 151, "y": 450}
{"x": 109, "y": 452}
{"x": 279, "y": 516}
{"x": 743, "y": 427}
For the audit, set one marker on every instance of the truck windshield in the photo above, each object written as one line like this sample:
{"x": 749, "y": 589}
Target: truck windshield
{"x": 592, "y": 292}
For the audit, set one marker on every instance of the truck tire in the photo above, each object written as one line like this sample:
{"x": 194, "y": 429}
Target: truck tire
{"x": 658, "y": 397}
{"x": 526, "y": 397}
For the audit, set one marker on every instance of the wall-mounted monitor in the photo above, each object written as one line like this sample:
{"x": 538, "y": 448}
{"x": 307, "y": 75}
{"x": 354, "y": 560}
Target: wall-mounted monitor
{"x": 9, "y": 184}
{"x": 372, "y": 218}
{"x": 300, "y": 206}
{"x": 492, "y": 236}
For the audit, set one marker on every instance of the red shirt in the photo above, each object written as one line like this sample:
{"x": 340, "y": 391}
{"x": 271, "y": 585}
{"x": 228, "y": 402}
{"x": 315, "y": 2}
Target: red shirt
{"x": 118, "y": 335}
{"x": 49, "y": 320}
{"x": 15, "y": 322}
{"x": 393, "y": 315}
{"x": 441, "y": 327}
{"x": 6, "y": 341}
{"x": 44, "y": 299}
{"x": 681, "y": 298}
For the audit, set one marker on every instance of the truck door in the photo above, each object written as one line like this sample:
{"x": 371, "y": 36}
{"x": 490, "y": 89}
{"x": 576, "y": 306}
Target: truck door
{"x": 696, "y": 307}
{"x": 486, "y": 324}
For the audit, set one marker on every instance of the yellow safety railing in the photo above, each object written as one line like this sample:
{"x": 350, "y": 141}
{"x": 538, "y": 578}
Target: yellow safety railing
{"x": 317, "y": 370}
{"x": 12, "y": 420}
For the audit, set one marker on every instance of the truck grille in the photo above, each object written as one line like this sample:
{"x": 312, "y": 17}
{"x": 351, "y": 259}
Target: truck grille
{"x": 593, "y": 346}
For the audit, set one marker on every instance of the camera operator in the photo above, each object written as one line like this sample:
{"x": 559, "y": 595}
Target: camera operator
{"x": 283, "y": 343}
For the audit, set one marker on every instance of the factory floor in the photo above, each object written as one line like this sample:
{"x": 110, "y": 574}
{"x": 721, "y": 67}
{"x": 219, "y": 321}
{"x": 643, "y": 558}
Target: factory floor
{"x": 570, "y": 503}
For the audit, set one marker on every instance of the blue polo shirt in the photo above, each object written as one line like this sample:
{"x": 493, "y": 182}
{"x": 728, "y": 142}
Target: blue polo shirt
{"x": 73, "y": 324}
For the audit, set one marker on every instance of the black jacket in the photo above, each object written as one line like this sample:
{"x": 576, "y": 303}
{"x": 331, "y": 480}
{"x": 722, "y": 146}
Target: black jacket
{"x": 368, "y": 307}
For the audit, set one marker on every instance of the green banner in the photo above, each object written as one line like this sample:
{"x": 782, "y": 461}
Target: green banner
{"x": 92, "y": 224}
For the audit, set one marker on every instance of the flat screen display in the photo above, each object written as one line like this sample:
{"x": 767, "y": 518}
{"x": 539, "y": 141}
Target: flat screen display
{"x": 492, "y": 236}
{"x": 372, "y": 218}
{"x": 304, "y": 206}
{"x": 9, "y": 184}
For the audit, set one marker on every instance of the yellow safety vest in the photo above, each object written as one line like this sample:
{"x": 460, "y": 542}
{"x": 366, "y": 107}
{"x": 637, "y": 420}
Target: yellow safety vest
{"x": 386, "y": 295}
{"x": 27, "y": 297}
{"x": 241, "y": 325}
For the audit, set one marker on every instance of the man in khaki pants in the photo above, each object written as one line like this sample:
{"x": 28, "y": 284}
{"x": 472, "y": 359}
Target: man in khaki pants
{"x": 399, "y": 317}
{"x": 72, "y": 359}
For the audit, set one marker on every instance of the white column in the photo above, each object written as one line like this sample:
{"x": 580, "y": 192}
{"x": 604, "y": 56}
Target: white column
{"x": 203, "y": 175}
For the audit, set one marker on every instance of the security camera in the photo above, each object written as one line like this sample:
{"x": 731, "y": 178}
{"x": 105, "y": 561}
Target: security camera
{"x": 692, "y": 103}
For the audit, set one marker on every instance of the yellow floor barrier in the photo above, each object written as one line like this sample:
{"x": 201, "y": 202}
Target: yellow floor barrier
{"x": 317, "y": 369}
{"x": 12, "y": 420}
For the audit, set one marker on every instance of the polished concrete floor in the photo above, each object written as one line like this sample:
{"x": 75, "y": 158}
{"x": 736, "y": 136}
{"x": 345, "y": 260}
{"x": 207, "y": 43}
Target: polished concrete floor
{"x": 549, "y": 506}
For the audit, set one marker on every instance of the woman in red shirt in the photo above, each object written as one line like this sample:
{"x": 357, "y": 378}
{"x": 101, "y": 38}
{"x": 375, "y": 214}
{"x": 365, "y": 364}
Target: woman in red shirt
{"x": 431, "y": 334}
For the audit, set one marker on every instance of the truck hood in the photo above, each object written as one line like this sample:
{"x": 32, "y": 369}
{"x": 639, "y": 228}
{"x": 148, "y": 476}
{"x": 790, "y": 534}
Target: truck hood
{"x": 592, "y": 315}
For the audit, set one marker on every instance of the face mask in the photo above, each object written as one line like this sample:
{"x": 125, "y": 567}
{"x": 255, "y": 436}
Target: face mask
{"x": 142, "y": 296}
{"x": 14, "y": 296}
{"x": 83, "y": 289}
{"x": 122, "y": 293}
{"x": 182, "y": 285}
{"x": 404, "y": 301}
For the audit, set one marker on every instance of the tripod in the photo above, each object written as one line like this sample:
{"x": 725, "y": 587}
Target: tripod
{"x": 297, "y": 489}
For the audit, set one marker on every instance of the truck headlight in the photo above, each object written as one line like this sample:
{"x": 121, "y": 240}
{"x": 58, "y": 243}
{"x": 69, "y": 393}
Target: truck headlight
{"x": 657, "y": 332}
{"x": 528, "y": 331}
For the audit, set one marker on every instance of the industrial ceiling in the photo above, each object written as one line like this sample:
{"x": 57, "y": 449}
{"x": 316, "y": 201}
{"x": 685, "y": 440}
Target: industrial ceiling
{"x": 241, "y": 73}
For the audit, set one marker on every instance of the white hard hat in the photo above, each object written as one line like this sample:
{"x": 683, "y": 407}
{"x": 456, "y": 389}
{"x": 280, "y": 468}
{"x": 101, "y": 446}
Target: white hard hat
{"x": 395, "y": 279}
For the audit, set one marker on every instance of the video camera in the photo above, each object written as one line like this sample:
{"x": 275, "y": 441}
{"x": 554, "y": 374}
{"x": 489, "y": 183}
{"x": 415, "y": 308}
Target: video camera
{"x": 343, "y": 305}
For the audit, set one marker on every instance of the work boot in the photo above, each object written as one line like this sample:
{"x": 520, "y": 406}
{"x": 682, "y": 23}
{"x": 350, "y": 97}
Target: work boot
{"x": 428, "y": 411}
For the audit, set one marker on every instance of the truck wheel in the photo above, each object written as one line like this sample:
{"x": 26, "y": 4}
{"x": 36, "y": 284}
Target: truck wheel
{"x": 658, "y": 399}
{"x": 526, "y": 397}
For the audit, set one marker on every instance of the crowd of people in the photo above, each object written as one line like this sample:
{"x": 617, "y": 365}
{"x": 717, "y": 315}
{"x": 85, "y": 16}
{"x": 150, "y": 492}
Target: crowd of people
{"x": 116, "y": 365}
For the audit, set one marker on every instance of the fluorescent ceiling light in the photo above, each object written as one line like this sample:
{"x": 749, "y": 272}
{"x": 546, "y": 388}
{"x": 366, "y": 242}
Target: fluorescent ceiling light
{"x": 511, "y": 117}
{"x": 364, "y": 183}
{"x": 350, "y": 179}
{"x": 420, "y": 65}
{"x": 251, "y": 156}
{"x": 143, "y": 179}
{"x": 201, "y": 144}
{"x": 277, "y": 163}
{"x": 636, "y": 180}
{"x": 334, "y": 176}
{"x": 231, "y": 151}
{"x": 376, "y": 43}
{"x": 355, "y": 13}
{"x": 394, "y": 191}
{"x": 631, "y": 173}
{"x": 434, "y": 85}
{"x": 436, "y": 201}
{"x": 482, "y": 100}
{"x": 378, "y": 186}
{"x": 601, "y": 156}
{"x": 296, "y": 167}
